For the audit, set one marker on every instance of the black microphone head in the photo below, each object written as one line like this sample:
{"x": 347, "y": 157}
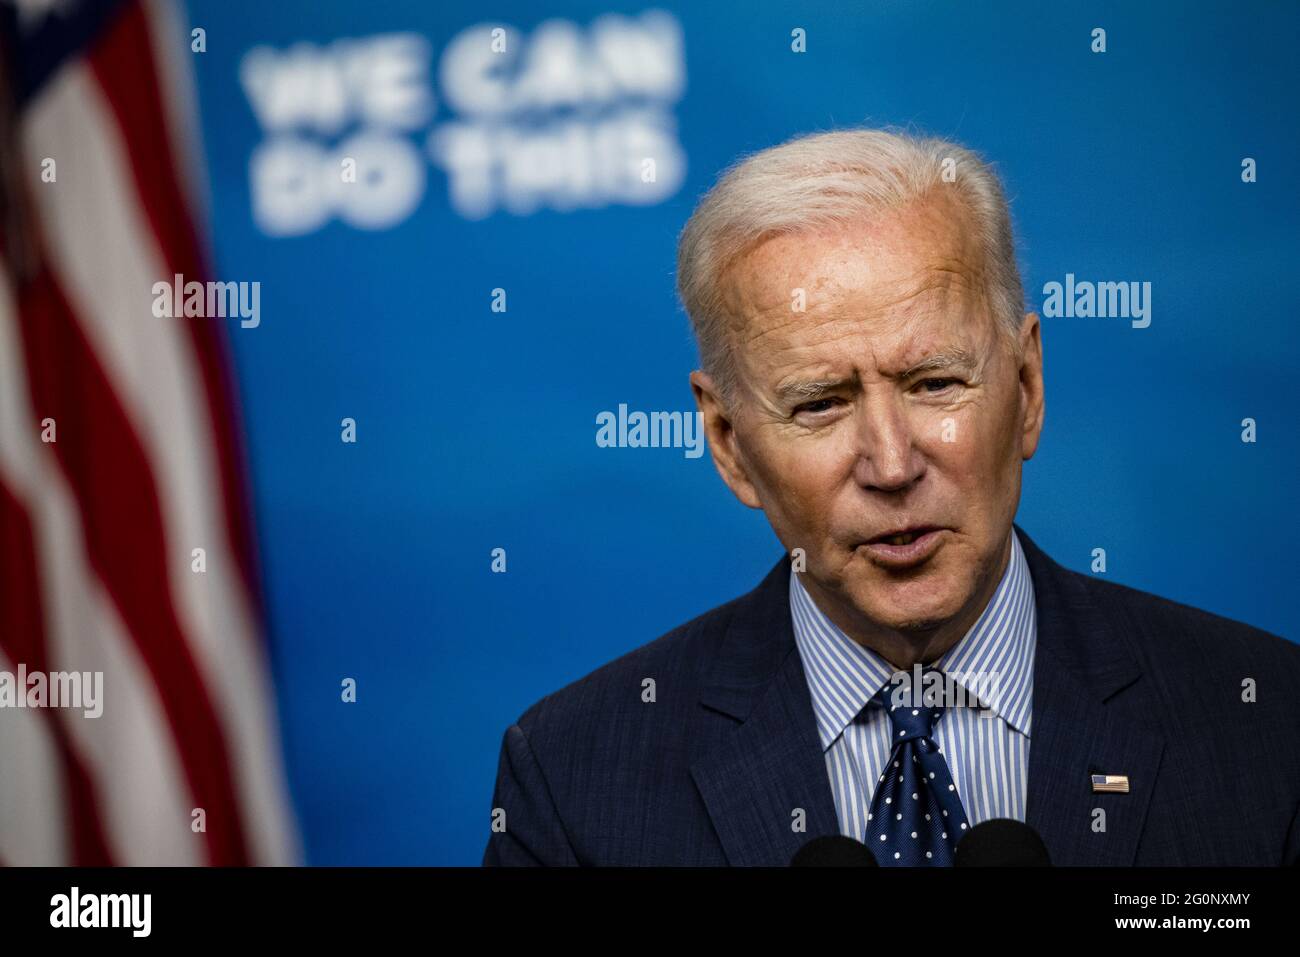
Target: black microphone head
{"x": 834, "y": 850}
{"x": 1001, "y": 842}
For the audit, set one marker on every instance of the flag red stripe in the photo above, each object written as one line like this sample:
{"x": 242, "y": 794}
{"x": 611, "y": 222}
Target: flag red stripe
{"x": 106, "y": 467}
{"x": 22, "y": 638}
{"x": 122, "y": 61}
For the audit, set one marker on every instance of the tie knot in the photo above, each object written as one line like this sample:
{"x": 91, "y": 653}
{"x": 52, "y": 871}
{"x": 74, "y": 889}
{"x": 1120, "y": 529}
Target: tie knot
{"x": 906, "y": 706}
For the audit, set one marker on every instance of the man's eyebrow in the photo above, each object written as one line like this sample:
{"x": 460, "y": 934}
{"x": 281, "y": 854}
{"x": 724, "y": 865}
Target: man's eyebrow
{"x": 812, "y": 389}
{"x": 807, "y": 390}
{"x": 952, "y": 359}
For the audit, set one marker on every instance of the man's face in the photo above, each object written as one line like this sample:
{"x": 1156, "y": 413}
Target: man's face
{"x": 890, "y": 403}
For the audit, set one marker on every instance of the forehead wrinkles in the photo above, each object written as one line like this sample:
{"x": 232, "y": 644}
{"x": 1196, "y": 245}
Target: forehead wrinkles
{"x": 878, "y": 331}
{"x": 869, "y": 268}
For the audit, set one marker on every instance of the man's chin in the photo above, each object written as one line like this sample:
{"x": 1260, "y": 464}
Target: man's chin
{"x": 916, "y": 621}
{"x": 908, "y": 612}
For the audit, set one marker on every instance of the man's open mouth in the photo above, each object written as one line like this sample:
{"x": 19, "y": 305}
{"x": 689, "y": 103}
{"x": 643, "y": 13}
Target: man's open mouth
{"x": 902, "y": 536}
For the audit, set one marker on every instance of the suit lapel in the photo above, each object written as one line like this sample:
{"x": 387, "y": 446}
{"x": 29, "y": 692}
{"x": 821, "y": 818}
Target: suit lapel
{"x": 759, "y": 760}
{"x": 1087, "y": 719}
{"x": 766, "y": 776}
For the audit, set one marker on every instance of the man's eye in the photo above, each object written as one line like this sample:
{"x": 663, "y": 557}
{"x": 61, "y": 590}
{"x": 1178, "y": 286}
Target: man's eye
{"x": 820, "y": 405}
{"x": 936, "y": 385}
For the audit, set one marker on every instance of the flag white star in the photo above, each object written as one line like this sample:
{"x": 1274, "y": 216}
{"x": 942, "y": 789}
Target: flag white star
{"x": 32, "y": 11}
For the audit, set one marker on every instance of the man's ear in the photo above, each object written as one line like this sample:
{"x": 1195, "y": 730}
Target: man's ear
{"x": 1032, "y": 399}
{"x": 727, "y": 457}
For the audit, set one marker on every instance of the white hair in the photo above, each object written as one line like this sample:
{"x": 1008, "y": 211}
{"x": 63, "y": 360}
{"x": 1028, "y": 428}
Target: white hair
{"x": 830, "y": 178}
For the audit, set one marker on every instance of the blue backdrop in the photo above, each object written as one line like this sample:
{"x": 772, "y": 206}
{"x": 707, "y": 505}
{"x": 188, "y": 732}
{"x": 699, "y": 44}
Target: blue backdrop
{"x": 475, "y": 428}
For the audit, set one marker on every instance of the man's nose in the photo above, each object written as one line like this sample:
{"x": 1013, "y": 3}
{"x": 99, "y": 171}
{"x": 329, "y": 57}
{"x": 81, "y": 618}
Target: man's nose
{"x": 887, "y": 457}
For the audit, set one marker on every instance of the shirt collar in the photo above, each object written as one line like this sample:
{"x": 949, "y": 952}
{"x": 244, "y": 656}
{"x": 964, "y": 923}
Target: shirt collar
{"x": 843, "y": 676}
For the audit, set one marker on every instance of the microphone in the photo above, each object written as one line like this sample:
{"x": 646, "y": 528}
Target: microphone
{"x": 1001, "y": 842}
{"x": 834, "y": 850}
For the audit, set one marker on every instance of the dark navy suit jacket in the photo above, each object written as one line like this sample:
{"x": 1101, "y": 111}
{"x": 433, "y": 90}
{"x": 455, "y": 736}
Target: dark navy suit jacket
{"x": 714, "y": 770}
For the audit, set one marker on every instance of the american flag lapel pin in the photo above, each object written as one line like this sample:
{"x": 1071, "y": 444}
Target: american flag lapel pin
{"x": 1110, "y": 784}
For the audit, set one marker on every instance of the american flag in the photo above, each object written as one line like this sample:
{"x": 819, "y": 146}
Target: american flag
{"x": 1110, "y": 784}
{"x": 99, "y": 170}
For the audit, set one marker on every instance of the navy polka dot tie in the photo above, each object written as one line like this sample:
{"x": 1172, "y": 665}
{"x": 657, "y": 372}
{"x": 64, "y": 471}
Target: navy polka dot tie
{"x": 916, "y": 816}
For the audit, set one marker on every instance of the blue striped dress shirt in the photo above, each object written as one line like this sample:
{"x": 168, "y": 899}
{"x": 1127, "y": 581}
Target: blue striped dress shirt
{"x": 988, "y": 754}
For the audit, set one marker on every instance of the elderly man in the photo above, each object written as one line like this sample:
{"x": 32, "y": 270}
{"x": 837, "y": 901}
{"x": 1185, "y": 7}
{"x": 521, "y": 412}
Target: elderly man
{"x": 871, "y": 382}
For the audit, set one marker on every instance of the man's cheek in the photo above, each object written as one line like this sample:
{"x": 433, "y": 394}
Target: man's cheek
{"x": 960, "y": 441}
{"x": 954, "y": 427}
